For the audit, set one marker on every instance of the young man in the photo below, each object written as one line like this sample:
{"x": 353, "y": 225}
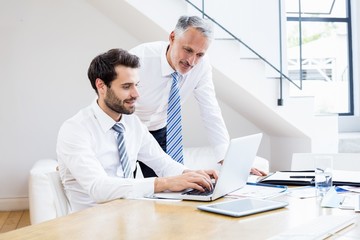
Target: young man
{"x": 185, "y": 54}
{"x": 98, "y": 148}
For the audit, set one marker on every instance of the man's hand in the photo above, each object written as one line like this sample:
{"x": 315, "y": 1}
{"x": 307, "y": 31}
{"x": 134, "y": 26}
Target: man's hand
{"x": 257, "y": 172}
{"x": 199, "y": 180}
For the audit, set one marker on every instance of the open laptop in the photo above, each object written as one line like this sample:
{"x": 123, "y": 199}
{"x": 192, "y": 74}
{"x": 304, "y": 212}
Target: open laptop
{"x": 233, "y": 173}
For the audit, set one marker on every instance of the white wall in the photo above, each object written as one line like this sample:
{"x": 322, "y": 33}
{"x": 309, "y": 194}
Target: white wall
{"x": 195, "y": 133}
{"x": 45, "y": 49}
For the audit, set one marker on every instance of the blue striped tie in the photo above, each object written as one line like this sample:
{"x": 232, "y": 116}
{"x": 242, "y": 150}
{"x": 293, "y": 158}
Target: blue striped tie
{"x": 174, "y": 145}
{"x": 124, "y": 159}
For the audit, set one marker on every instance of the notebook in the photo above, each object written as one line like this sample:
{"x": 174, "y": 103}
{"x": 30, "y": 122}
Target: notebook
{"x": 233, "y": 174}
{"x": 304, "y": 178}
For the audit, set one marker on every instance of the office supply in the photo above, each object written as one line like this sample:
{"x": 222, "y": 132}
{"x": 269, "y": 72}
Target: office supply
{"x": 233, "y": 173}
{"x": 259, "y": 190}
{"x": 304, "y": 178}
{"x": 289, "y": 178}
{"x": 344, "y": 177}
{"x": 243, "y": 207}
{"x": 139, "y": 219}
{"x": 350, "y": 188}
{"x": 348, "y": 202}
{"x": 332, "y": 199}
{"x": 302, "y": 192}
{"x": 320, "y": 228}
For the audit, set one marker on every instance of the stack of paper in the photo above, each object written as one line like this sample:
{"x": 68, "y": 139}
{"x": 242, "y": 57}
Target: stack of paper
{"x": 259, "y": 190}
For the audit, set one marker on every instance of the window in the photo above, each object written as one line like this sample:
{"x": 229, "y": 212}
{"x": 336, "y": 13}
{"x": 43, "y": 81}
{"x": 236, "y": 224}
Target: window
{"x": 319, "y": 53}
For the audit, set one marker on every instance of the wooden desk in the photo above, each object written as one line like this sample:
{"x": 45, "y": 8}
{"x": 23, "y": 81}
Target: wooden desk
{"x": 148, "y": 219}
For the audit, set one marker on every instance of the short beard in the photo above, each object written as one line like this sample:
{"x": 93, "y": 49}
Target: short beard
{"x": 115, "y": 104}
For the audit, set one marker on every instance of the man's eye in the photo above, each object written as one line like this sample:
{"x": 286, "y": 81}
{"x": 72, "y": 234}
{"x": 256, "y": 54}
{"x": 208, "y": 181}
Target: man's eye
{"x": 126, "y": 87}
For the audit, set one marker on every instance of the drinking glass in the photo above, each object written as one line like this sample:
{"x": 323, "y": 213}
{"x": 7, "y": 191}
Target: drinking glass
{"x": 323, "y": 174}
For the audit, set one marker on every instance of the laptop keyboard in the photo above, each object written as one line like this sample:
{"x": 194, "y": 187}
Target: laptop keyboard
{"x": 199, "y": 193}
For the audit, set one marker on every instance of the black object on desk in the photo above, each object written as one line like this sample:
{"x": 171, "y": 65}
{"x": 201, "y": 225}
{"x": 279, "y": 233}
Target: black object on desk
{"x": 306, "y": 178}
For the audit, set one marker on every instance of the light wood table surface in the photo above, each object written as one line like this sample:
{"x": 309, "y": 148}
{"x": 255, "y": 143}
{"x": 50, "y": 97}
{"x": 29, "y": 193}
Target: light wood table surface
{"x": 150, "y": 219}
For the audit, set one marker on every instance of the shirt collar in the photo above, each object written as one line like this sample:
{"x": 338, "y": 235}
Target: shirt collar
{"x": 166, "y": 69}
{"x": 105, "y": 121}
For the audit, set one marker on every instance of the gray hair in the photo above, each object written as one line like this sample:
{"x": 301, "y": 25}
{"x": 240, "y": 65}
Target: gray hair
{"x": 202, "y": 25}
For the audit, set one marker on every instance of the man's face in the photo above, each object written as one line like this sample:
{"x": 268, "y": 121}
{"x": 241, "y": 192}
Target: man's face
{"x": 186, "y": 50}
{"x": 121, "y": 96}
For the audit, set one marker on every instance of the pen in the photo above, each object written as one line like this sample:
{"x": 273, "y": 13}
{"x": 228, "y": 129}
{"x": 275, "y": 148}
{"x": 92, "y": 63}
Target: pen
{"x": 302, "y": 176}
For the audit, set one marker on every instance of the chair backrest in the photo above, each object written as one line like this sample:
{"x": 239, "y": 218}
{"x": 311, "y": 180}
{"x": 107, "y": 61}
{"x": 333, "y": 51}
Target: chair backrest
{"x": 47, "y": 199}
{"x": 60, "y": 200}
{"x": 341, "y": 161}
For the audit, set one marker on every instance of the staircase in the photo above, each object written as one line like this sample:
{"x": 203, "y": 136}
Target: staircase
{"x": 349, "y": 142}
{"x": 240, "y": 82}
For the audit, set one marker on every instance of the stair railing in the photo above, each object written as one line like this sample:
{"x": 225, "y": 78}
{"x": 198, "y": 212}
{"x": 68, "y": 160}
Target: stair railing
{"x": 282, "y": 75}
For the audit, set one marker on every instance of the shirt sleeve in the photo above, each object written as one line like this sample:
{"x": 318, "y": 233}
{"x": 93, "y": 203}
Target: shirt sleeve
{"x": 79, "y": 165}
{"x": 210, "y": 112}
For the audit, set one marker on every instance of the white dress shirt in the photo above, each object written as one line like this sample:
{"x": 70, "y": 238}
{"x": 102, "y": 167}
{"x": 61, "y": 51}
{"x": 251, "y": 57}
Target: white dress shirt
{"x": 89, "y": 161}
{"x": 154, "y": 90}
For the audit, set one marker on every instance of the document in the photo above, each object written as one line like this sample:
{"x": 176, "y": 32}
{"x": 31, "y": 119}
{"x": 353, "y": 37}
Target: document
{"x": 349, "y": 178}
{"x": 258, "y": 190}
{"x": 303, "y": 192}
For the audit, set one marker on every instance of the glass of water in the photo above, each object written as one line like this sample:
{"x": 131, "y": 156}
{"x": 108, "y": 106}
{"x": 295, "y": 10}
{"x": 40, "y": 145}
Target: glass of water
{"x": 323, "y": 174}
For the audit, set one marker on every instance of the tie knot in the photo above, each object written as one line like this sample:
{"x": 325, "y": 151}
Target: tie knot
{"x": 175, "y": 76}
{"x": 119, "y": 127}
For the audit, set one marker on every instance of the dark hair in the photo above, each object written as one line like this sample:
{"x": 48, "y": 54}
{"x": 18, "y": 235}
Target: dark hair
{"x": 103, "y": 65}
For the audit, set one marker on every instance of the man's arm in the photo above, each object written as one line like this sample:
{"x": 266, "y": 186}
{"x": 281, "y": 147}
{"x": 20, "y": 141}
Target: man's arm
{"x": 210, "y": 112}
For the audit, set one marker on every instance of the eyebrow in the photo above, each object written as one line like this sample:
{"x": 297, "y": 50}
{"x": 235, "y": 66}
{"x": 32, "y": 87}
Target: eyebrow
{"x": 130, "y": 83}
{"x": 187, "y": 48}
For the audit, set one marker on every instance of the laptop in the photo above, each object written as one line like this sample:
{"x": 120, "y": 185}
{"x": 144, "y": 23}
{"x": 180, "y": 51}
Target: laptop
{"x": 233, "y": 174}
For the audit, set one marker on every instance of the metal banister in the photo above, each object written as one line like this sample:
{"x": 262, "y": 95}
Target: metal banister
{"x": 282, "y": 75}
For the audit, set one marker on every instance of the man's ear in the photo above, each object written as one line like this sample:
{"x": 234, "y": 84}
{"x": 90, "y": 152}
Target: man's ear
{"x": 100, "y": 85}
{"x": 171, "y": 36}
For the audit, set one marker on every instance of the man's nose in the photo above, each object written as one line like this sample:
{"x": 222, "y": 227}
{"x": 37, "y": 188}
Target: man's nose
{"x": 192, "y": 60}
{"x": 135, "y": 92}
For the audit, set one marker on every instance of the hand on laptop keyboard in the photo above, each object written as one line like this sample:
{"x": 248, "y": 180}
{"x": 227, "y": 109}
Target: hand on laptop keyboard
{"x": 197, "y": 192}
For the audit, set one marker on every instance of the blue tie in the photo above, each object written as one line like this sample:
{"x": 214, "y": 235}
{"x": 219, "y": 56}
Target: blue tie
{"x": 174, "y": 146}
{"x": 124, "y": 159}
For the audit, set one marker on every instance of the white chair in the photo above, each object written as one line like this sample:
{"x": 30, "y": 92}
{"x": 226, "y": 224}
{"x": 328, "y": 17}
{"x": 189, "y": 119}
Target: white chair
{"x": 341, "y": 161}
{"x": 47, "y": 199}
